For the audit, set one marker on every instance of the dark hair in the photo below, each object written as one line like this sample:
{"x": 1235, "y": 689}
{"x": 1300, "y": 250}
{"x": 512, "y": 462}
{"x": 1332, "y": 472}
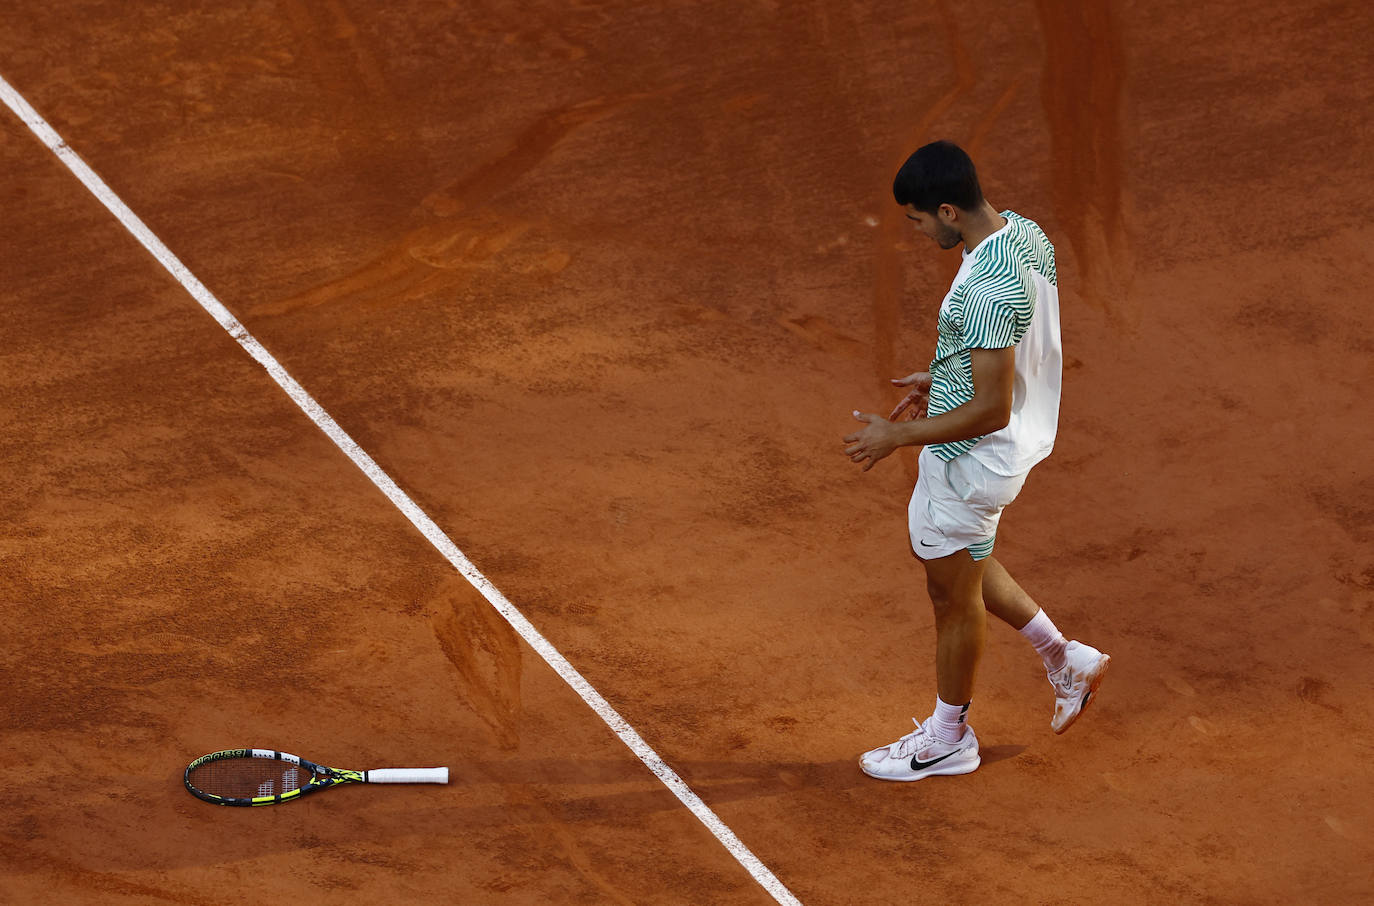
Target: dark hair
{"x": 938, "y": 173}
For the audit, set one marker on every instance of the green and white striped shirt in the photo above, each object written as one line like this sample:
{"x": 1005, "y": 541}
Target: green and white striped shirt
{"x": 991, "y": 305}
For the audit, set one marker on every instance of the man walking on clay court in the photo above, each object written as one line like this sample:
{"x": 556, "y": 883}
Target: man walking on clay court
{"x": 985, "y": 413}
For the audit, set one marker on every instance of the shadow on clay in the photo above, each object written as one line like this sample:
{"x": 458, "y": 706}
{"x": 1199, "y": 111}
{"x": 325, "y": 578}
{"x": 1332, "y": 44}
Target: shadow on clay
{"x": 993, "y": 754}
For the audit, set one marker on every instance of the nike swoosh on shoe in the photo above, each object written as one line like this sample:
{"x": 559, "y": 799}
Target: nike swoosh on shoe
{"x": 918, "y": 765}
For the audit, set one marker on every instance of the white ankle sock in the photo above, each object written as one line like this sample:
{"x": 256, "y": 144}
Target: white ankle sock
{"x": 1048, "y": 642}
{"x": 948, "y": 720}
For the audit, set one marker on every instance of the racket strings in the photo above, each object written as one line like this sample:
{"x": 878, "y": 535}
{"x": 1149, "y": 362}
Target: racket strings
{"x": 245, "y": 778}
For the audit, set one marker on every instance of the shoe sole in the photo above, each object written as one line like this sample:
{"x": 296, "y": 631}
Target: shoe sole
{"x": 944, "y": 770}
{"x": 1093, "y": 682}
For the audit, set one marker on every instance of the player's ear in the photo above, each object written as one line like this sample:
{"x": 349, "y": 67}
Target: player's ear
{"x": 948, "y": 213}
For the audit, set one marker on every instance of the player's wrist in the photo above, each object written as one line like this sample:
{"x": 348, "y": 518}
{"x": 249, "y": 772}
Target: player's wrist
{"x": 910, "y": 434}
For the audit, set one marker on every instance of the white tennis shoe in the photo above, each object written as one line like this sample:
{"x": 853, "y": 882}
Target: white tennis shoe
{"x": 920, "y": 754}
{"x": 1076, "y": 682}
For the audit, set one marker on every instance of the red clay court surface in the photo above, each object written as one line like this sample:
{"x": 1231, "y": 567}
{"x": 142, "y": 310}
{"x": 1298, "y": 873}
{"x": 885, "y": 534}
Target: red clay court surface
{"x": 598, "y": 284}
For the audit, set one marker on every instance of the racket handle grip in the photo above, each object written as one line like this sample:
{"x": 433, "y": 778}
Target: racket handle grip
{"x": 408, "y": 775}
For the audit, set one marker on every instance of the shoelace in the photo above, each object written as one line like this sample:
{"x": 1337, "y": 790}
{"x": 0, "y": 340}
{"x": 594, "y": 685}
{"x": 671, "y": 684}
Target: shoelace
{"x": 1062, "y": 680}
{"x": 908, "y": 744}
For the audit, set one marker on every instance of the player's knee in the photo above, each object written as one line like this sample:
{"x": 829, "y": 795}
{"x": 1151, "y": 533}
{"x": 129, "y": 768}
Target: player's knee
{"x": 952, "y": 605}
{"x": 940, "y": 599}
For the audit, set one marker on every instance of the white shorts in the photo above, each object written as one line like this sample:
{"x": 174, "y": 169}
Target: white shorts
{"x": 957, "y": 505}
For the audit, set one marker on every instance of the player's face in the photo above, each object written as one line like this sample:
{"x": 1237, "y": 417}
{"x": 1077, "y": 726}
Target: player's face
{"x": 937, "y": 226}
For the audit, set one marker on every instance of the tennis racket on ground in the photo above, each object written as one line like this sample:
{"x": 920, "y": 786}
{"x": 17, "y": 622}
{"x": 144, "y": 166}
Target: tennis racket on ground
{"x": 267, "y": 777}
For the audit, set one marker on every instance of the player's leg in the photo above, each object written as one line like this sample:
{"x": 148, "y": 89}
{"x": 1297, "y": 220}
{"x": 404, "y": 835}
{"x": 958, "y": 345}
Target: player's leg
{"x": 944, "y": 744}
{"x": 955, "y": 585}
{"x": 1005, "y": 599}
{"x": 1075, "y": 670}
{"x": 939, "y": 529}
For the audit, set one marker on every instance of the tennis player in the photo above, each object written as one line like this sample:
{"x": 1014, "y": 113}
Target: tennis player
{"x": 984, "y": 414}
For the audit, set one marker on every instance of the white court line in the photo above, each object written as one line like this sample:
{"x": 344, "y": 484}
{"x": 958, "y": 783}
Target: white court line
{"x": 48, "y": 136}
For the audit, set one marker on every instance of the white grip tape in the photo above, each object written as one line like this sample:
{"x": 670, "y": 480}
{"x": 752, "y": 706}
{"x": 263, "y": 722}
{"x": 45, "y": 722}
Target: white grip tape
{"x": 408, "y": 775}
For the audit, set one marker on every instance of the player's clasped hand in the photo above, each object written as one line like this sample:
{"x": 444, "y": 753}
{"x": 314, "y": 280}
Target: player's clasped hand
{"x": 879, "y": 436}
{"x": 917, "y": 399}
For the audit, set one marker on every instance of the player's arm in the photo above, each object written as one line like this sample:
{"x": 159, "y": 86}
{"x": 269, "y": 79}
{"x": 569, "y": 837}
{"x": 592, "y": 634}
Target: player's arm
{"x": 994, "y": 377}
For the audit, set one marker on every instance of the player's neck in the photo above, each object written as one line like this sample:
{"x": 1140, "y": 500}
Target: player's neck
{"x": 981, "y": 224}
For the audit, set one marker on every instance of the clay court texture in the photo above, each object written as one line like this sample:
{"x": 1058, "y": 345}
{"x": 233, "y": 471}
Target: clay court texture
{"x": 597, "y": 285}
